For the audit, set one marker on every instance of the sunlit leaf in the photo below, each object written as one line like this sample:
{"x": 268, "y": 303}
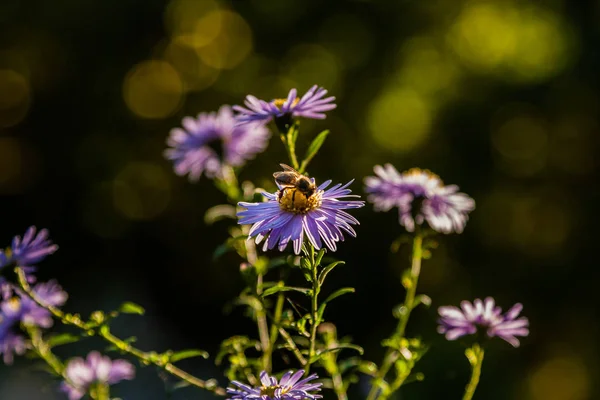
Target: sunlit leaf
{"x": 181, "y": 355}
{"x": 328, "y": 269}
{"x": 131, "y": 308}
{"x": 278, "y": 288}
{"x": 314, "y": 148}
{"x": 61, "y": 339}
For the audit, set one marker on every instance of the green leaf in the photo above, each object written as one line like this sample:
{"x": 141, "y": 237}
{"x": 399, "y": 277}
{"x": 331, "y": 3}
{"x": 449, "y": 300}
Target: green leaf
{"x": 63, "y": 338}
{"x": 313, "y": 148}
{"x": 131, "y": 308}
{"x": 328, "y": 269}
{"x": 332, "y": 296}
{"x": 339, "y": 347}
{"x": 293, "y": 133}
{"x": 181, "y": 355}
{"x": 278, "y": 288}
{"x": 319, "y": 256}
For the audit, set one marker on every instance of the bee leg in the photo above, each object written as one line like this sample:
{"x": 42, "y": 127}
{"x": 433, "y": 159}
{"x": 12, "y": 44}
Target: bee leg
{"x": 293, "y": 197}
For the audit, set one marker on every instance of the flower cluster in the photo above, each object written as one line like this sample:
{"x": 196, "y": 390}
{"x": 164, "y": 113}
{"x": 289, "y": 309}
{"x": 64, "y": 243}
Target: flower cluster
{"x": 485, "y": 316}
{"x": 27, "y": 251}
{"x": 81, "y": 374}
{"x": 289, "y": 387}
{"x": 212, "y": 140}
{"x": 420, "y": 196}
{"x": 18, "y": 309}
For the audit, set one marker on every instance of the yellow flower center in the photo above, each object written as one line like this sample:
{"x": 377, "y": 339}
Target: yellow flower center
{"x": 419, "y": 171}
{"x": 280, "y": 102}
{"x": 293, "y": 200}
{"x": 270, "y": 391}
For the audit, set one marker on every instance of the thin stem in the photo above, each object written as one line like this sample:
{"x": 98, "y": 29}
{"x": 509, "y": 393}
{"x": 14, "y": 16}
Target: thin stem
{"x": 100, "y": 391}
{"x": 392, "y": 355}
{"x": 263, "y": 327}
{"x": 314, "y": 308}
{"x": 475, "y": 356}
{"x": 274, "y": 330}
{"x": 43, "y": 350}
{"x": 103, "y": 332}
{"x": 338, "y": 385}
{"x": 290, "y": 341}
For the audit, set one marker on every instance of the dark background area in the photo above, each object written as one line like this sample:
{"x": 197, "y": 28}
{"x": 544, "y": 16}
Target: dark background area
{"x": 498, "y": 97}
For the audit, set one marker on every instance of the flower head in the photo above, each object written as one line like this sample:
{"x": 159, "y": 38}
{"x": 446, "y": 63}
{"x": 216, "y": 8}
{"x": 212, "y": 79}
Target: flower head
{"x": 80, "y": 374}
{"x": 29, "y": 250}
{"x": 485, "y": 316}
{"x": 420, "y": 196}
{"x": 290, "y": 387}
{"x": 17, "y": 308}
{"x": 212, "y": 140}
{"x": 289, "y": 215}
{"x": 311, "y": 105}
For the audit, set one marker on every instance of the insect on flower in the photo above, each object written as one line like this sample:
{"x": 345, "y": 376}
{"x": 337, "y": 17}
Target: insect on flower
{"x": 296, "y": 190}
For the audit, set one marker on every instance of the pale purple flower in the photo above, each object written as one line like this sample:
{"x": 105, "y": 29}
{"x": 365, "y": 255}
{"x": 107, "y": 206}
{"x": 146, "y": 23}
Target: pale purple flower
{"x": 29, "y": 250}
{"x": 322, "y": 220}
{"x": 212, "y": 140}
{"x": 17, "y": 308}
{"x": 80, "y": 374}
{"x": 289, "y": 387}
{"x": 420, "y": 196}
{"x": 312, "y": 105}
{"x": 483, "y": 316}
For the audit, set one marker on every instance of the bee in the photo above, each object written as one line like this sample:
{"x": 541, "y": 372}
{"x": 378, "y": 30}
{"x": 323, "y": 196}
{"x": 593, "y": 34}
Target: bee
{"x": 297, "y": 190}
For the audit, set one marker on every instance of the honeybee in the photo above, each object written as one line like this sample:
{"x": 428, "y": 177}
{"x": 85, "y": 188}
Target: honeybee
{"x": 297, "y": 190}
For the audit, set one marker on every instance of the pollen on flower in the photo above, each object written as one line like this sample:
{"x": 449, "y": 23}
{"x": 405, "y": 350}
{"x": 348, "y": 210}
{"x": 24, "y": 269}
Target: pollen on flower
{"x": 426, "y": 172}
{"x": 270, "y": 391}
{"x": 280, "y": 102}
{"x": 293, "y": 200}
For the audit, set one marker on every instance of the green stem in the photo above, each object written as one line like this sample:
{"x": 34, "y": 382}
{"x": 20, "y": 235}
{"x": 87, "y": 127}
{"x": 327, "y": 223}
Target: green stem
{"x": 392, "y": 355}
{"x": 314, "y": 308}
{"x": 43, "y": 350}
{"x": 103, "y": 331}
{"x": 338, "y": 385}
{"x": 289, "y": 143}
{"x": 267, "y": 355}
{"x": 290, "y": 341}
{"x": 475, "y": 356}
{"x": 100, "y": 391}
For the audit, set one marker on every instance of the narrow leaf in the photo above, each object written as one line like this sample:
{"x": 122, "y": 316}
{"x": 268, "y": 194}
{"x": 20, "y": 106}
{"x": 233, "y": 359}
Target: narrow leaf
{"x": 181, "y": 355}
{"x": 277, "y": 289}
{"x": 328, "y": 269}
{"x": 131, "y": 308}
{"x": 332, "y": 296}
{"x": 314, "y": 147}
{"x": 339, "y": 347}
{"x": 63, "y": 338}
{"x": 339, "y": 293}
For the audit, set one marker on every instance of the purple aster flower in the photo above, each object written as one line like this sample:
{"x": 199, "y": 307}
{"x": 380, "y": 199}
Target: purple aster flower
{"x": 212, "y": 140}
{"x": 16, "y": 308}
{"x": 485, "y": 316}
{"x": 290, "y": 387}
{"x": 311, "y": 105}
{"x": 80, "y": 374}
{"x": 29, "y": 250}
{"x": 289, "y": 215}
{"x": 420, "y": 196}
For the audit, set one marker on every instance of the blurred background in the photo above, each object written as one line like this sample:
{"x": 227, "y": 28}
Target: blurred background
{"x": 499, "y": 97}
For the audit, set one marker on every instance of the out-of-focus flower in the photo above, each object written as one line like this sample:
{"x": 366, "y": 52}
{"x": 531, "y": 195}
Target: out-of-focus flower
{"x": 485, "y": 316}
{"x": 289, "y": 215}
{"x": 290, "y": 387}
{"x": 29, "y": 250}
{"x": 420, "y": 196}
{"x": 311, "y": 105}
{"x": 81, "y": 374}
{"x": 212, "y": 140}
{"x": 17, "y": 308}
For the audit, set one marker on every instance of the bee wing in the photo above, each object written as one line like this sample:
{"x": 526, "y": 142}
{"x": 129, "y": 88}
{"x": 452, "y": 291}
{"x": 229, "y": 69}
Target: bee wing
{"x": 288, "y": 168}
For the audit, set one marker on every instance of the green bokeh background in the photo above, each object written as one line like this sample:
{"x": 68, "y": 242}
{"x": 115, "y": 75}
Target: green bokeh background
{"x": 499, "y": 97}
